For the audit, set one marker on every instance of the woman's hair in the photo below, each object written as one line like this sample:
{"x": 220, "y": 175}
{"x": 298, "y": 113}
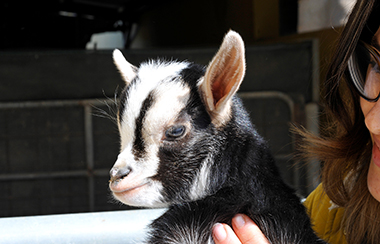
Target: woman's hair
{"x": 345, "y": 146}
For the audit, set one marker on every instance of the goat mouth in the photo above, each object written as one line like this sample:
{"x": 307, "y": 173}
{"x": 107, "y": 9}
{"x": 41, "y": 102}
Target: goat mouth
{"x": 128, "y": 194}
{"x": 117, "y": 187}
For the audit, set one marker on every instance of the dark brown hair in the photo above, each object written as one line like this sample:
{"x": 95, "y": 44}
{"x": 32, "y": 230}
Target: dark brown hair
{"x": 345, "y": 147}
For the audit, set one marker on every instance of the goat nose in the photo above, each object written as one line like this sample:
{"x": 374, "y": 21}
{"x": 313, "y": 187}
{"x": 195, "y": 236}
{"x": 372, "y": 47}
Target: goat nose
{"x": 119, "y": 173}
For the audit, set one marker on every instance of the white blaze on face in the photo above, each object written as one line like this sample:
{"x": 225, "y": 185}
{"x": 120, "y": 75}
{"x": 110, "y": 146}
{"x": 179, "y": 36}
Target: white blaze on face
{"x": 149, "y": 76}
{"x": 169, "y": 98}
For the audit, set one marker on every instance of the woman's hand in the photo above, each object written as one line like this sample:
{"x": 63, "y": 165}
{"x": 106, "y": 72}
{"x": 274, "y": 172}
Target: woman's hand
{"x": 246, "y": 232}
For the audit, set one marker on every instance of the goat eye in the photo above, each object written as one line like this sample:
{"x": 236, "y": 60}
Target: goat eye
{"x": 175, "y": 131}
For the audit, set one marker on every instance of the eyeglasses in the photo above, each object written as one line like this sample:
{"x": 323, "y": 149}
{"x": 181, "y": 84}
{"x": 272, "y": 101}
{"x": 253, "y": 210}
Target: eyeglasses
{"x": 364, "y": 69}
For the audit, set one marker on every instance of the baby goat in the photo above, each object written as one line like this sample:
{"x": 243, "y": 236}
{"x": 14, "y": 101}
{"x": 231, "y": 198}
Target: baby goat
{"x": 187, "y": 143}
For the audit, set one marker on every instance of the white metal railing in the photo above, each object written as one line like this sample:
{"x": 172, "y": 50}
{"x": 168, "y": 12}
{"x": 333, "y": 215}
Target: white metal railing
{"x": 124, "y": 227}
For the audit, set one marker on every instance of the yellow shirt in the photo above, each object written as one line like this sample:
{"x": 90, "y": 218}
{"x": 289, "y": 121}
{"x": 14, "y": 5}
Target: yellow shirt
{"x": 325, "y": 217}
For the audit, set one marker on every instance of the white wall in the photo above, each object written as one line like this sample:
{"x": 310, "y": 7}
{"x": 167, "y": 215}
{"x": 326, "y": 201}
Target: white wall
{"x": 106, "y": 40}
{"x": 315, "y": 15}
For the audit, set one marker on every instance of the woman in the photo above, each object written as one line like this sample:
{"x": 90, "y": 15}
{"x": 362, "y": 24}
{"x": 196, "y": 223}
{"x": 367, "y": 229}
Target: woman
{"x": 345, "y": 208}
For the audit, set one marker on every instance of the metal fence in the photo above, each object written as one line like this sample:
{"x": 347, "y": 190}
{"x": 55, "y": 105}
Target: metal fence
{"x": 55, "y": 155}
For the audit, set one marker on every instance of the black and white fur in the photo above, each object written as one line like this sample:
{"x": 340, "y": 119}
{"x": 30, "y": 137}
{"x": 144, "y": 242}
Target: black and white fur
{"x": 187, "y": 143}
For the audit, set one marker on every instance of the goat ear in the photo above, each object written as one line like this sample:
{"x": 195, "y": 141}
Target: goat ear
{"x": 127, "y": 70}
{"x": 223, "y": 77}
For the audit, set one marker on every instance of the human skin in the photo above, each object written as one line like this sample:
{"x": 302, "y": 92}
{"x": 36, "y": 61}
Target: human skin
{"x": 371, "y": 112}
{"x": 244, "y": 231}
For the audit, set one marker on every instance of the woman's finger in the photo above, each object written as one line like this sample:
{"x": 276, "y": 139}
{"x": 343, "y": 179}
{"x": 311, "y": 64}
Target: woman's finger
{"x": 223, "y": 234}
{"x": 247, "y": 231}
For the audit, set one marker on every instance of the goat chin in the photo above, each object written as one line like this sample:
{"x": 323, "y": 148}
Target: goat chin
{"x": 145, "y": 194}
{"x": 187, "y": 143}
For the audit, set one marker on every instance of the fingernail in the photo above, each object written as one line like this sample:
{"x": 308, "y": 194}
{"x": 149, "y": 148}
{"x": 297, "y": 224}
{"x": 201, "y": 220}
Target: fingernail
{"x": 239, "y": 221}
{"x": 219, "y": 232}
